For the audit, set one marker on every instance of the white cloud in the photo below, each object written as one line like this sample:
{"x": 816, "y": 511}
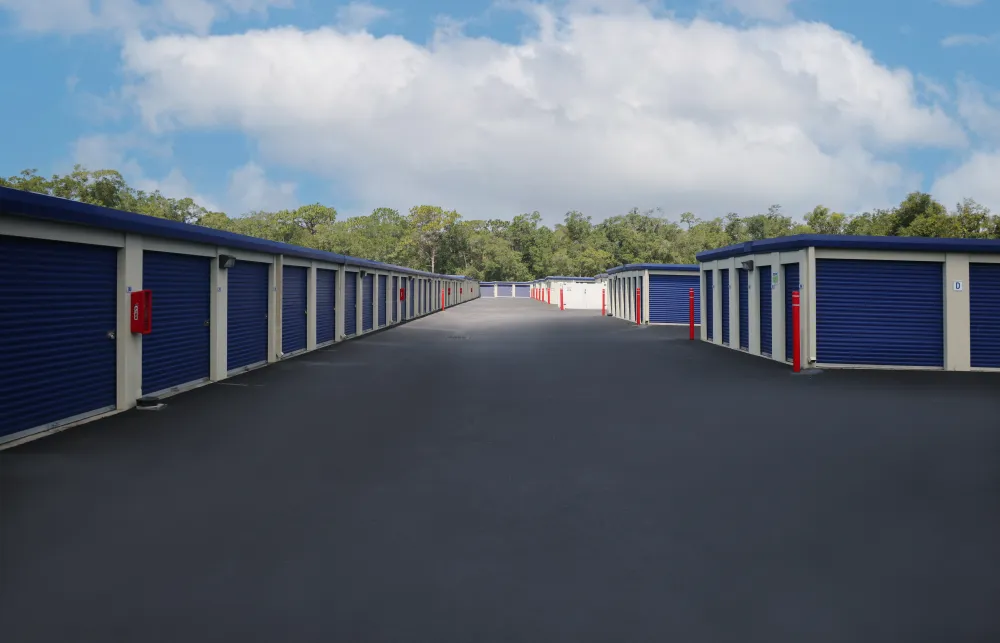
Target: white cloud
{"x": 763, "y": 9}
{"x": 961, "y": 3}
{"x": 81, "y": 16}
{"x": 979, "y": 109}
{"x": 358, "y": 15}
{"x": 967, "y": 40}
{"x": 595, "y": 112}
{"x": 976, "y": 179}
{"x": 250, "y": 189}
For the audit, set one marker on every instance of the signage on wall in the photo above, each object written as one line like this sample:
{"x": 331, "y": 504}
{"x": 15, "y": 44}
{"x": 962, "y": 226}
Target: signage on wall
{"x": 958, "y": 286}
{"x": 774, "y": 280}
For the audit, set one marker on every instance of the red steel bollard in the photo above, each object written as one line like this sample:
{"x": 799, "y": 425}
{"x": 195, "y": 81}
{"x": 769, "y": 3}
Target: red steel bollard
{"x": 561, "y": 306}
{"x": 442, "y": 299}
{"x": 603, "y": 308}
{"x": 638, "y": 306}
{"x": 691, "y": 311}
{"x": 549, "y": 295}
{"x": 796, "y": 339}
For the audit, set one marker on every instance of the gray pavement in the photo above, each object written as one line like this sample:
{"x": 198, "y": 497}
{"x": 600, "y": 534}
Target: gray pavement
{"x": 504, "y": 472}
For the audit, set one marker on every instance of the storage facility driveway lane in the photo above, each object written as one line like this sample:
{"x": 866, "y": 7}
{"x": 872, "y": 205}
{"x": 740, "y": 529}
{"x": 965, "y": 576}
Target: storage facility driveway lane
{"x": 507, "y": 472}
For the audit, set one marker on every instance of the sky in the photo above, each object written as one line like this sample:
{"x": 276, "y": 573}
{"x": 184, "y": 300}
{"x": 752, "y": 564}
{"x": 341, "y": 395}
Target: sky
{"x": 494, "y": 108}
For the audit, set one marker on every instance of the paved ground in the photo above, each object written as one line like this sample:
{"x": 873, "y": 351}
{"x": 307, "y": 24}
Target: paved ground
{"x": 506, "y": 472}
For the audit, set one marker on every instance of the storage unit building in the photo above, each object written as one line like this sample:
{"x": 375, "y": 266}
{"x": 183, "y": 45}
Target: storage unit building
{"x": 884, "y": 302}
{"x": 505, "y": 289}
{"x": 522, "y": 290}
{"x": 218, "y": 304}
{"x": 665, "y": 291}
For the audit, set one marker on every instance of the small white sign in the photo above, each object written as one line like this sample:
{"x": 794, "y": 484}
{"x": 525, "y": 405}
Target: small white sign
{"x": 958, "y": 286}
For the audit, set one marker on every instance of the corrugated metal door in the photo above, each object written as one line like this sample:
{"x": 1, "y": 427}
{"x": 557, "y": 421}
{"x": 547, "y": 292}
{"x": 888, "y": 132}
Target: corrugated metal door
{"x": 367, "y": 294}
{"x": 504, "y": 290}
{"x": 879, "y": 312}
{"x": 58, "y": 319}
{"x": 668, "y": 299}
{"x": 294, "y": 288}
{"x": 176, "y": 352}
{"x": 350, "y": 303}
{"x": 326, "y": 302}
{"x": 522, "y": 290}
{"x": 764, "y": 292}
{"x": 744, "y": 276}
{"x": 486, "y": 290}
{"x": 791, "y": 281}
{"x": 724, "y": 275}
{"x": 382, "y": 282}
{"x": 709, "y": 303}
{"x": 984, "y": 309}
{"x": 412, "y": 298}
{"x": 246, "y": 314}
{"x": 394, "y": 298}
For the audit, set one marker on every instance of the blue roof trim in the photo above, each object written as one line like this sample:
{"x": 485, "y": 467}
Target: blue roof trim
{"x": 558, "y": 278}
{"x": 847, "y": 242}
{"x": 655, "y": 266}
{"x": 50, "y": 208}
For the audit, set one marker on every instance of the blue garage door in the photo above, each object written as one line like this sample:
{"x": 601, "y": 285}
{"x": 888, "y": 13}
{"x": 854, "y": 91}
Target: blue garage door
{"x": 59, "y": 361}
{"x": 294, "y": 286}
{"x": 522, "y": 291}
{"x": 394, "y": 299}
{"x": 326, "y": 305}
{"x": 669, "y": 301}
{"x": 792, "y": 284}
{"x": 176, "y": 352}
{"x": 246, "y": 315}
{"x": 764, "y": 312}
{"x": 505, "y": 290}
{"x": 383, "y": 280}
{"x": 709, "y": 303}
{"x": 724, "y": 275}
{"x": 367, "y": 315}
{"x": 984, "y": 308}
{"x": 744, "y": 309}
{"x": 486, "y": 289}
{"x": 879, "y": 312}
{"x": 350, "y": 303}
{"x": 413, "y": 297}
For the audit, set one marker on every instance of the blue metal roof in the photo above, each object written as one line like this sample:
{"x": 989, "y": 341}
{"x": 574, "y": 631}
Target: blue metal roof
{"x": 800, "y": 241}
{"x": 568, "y": 278}
{"x": 655, "y": 266}
{"x": 50, "y": 208}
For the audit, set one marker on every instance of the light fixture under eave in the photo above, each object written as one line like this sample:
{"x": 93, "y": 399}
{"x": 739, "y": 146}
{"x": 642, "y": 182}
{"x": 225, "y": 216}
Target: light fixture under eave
{"x": 748, "y": 265}
{"x": 227, "y": 261}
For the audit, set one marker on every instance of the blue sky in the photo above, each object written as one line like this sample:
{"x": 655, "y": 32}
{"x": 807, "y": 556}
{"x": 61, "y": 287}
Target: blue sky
{"x": 88, "y": 90}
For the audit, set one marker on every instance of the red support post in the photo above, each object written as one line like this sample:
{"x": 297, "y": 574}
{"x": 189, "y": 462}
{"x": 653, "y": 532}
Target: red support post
{"x": 796, "y": 338}
{"x": 691, "y": 311}
{"x": 638, "y": 306}
{"x": 561, "y": 306}
{"x": 603, "y": 308}
{"x": 442, "y": 298}
{"x": 549, "y": 292}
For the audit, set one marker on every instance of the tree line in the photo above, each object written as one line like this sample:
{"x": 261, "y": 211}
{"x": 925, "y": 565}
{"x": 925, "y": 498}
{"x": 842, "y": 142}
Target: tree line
{"x": 430, "y": 237}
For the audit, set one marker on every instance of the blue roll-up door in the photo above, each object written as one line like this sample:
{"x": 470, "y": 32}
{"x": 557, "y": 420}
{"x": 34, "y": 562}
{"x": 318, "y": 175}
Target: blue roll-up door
{"x": 505, "y": 290}
{"x": 367, "y": 294}
{"x": 294, "y": 286}
{"x": 176, "y": 352}
{"x": 744, "y": 309}
{"x": 669, "y": 301}
{"x": 792, "y": 284}
{"x": 394, "y": 299}
{"x": 350, "y": 303}
{"x": 413, "y": 297}
{"x": 522, "y": 291}
{"x": 383, "y": 281}
{"x": 879, "y": 312}
{"x": 246, "y": 314}
{"x": 486, "y": 289}
{"x": 709, "y": 303}
{"x": 326, "y": 303}
{"x": 58, "y": 321}
{"x": 764, "y": 292}
{"x": 724, "y": 274}
{"x": 984, "y": 309}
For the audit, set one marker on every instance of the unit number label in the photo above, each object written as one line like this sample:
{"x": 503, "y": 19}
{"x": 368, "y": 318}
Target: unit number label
{"x": 958, "y": 286}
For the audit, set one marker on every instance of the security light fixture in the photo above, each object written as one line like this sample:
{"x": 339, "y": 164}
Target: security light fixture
{"x": 227, "y": 261}
{"x": 748, "y": 265}
{"x": 364, "y": 273}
